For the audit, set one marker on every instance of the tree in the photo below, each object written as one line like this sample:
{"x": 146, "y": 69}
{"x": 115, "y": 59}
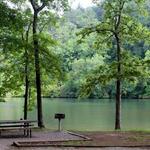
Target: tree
{"x": 26, "y": 70}
{"x": 117, "y": 28}
{"x": 36, "y": 57}
{"x": 18, "y": 39}
{"x": 39, "y": 49}
{"x": 9, "y": 41}
{"x": 37, "y": 9}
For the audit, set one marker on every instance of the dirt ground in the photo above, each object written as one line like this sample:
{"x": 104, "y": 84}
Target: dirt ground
{"x": 119, "y": 138}
{"x": 99, "y": 140}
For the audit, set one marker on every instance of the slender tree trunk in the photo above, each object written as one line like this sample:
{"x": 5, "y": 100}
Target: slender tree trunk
{"x": 118, "y": 87}
{"x": 26, "y": 86}
{"x": 37, "y": 70}
{"x": 26, "y": 95}
{"x": 118, "y": 105}
{"x": 26, "y": 91}
{"x": 110, "y": 94}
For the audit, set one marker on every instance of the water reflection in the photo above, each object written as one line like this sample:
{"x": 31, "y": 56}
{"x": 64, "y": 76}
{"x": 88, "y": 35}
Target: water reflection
{"x": 84, "y": 114}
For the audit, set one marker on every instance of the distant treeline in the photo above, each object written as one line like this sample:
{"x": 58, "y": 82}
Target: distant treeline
{"x": 79, "y": 59}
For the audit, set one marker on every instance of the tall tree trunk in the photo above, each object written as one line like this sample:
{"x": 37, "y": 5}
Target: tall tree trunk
{"x": 26, "y": 95}
{"x": 118, "y": 105}
{"x": 37, "y": 70}
{"x": 26, "y": 87}
{"x": 118, "y": 86}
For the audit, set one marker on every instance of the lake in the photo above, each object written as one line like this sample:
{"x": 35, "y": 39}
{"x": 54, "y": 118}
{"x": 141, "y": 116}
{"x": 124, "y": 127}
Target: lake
{"x": 84, "y": 115}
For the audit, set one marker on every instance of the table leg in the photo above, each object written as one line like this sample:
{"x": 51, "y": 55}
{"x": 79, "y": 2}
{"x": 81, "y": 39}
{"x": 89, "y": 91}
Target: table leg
{"x": 30, "y": 133}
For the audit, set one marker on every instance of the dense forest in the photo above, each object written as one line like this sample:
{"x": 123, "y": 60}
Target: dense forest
{"x": 80, "y": 59}
{"x": 70, "y": 61}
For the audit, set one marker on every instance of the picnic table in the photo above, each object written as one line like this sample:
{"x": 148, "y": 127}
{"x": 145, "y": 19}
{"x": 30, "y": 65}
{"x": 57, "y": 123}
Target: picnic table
{"x": 25, "y": 125}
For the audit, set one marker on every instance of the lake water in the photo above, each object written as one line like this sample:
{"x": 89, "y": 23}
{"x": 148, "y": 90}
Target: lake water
{"x": 84, "y": 115}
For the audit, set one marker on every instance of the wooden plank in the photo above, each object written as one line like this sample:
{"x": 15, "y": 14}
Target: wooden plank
{"x": 17, "y": 121}
{"x": 16, "y": 125}
{"x": 26, "y": 125}
{"x": 27, "y": 130}
{"x": 17, "y": 128}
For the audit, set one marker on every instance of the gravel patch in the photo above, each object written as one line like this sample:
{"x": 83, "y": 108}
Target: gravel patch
{"x": 6, "y": 140}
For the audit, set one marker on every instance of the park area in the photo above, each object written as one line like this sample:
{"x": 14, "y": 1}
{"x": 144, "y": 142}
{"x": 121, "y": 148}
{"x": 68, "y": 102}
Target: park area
{"x": 79, "y": 140}
{"x": 80, "y": 117}
{"x": 74, "y": 74}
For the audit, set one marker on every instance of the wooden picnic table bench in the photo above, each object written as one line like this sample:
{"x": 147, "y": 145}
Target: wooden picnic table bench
{"x": 25, "y": 125}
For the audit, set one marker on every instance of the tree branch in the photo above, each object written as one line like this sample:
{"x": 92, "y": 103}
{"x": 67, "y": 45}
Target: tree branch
{"x": 42, "y": 28}
{"x": 27, "y": 32}
{"x": 118, "y": 20}
{"x": 107, "y": 38}
{"x": 41, "y": 7}
{"x": 22, "y": 36}
{"x": 33, "y": 4}
{"x": 37, "y": 9}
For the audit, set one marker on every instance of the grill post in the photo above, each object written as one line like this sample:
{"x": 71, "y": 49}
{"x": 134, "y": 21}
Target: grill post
{"x": 59, "y": 116}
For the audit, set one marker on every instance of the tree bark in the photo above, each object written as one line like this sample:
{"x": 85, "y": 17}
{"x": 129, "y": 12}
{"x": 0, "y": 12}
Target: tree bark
{"x": 26, "y": 95}
{"x": 118, "y": 81}
{"x": 26, "y": 90}
{"x": 118, "y": 105}
{"x": 37, "y": 70}
{"x": 118, "y": 86}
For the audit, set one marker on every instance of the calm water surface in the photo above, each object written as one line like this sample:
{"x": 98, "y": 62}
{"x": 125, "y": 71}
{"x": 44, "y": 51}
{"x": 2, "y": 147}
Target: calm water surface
{"x": 84, "y": 115}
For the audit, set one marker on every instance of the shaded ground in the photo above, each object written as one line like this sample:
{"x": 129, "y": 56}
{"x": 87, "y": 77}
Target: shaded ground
{"x": 139, "y": 139}
{"x": 7, "y": 139}
{"x": 118, "y": 138}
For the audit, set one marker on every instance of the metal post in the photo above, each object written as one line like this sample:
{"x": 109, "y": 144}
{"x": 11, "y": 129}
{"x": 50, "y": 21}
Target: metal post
{"x": 59, "y": 124}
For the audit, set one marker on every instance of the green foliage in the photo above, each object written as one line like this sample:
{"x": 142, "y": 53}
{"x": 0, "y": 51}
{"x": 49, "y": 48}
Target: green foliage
{"x": 67, "y": 66}
{"x": 16, "y": 45}
{"x": 118, "y": 28}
